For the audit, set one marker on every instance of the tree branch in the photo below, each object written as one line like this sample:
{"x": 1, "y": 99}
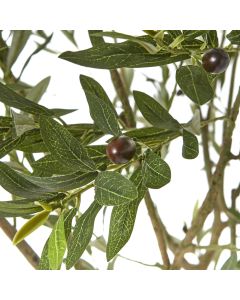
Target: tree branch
{"x": 158, "y": 229}
{"x": 122, "y": 94}
{"x": 215, "y": 187}
{"x": 23, "y": 247}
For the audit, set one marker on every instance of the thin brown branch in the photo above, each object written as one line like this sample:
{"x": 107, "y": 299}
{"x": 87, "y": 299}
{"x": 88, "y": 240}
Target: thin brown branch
{"x": 122, "y": 94}
{"x": 214, "y": 190}
{"x": 158, "y": 229}
{"x": 206, "y": 155}
{"x": 23, "y": 247}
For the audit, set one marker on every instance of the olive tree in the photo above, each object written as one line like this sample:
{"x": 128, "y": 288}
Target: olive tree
{"x": 124, "y": 169}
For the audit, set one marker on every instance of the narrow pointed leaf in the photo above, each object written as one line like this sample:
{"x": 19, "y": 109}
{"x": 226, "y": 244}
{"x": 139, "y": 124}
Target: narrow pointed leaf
{"x": 190, "y": 147}
{"x": 154, "y": 113}
{"x": 22, "y": 122}
{"x": 123, "y": 219}
{"x": 127, "y": 54}
{"x": 19, "y": 40}
{"x": 16, "y": 184}
{"x": 30, "y": 226}
{"x": 111, "y": 188}
{"x": 148, "y": 46}
{"x": 57, "y": 244}
{"x": 36, "y": 93}
{"x": 156, "y": 172}
{"x": 70, "y": 36}
{"x": 62, "y": 183}
{"x": 44, "y": 261}
{"x": 194, "y": 82}
{"x": 18, "y": 208}
{"x": 12, "y": 99}
{"x": 68, "y": 215}
{"x": 101, "y": 109}
{"x": 212, "y": 38}
{"x": 58, "y": 112}
{"x": 153, "y": 135}
{"x": 121, "y": 227}
{"x": 192, "y": 34}
{"x": 82, "y": 234}
{"x": 50, "y": 163}
{"x": 65, "y": 147}
{"x": 39, "y": 48}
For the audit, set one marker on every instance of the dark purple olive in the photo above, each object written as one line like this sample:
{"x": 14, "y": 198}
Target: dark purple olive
{"x": 215, "y": 60}
{"x": 121, "y": 150}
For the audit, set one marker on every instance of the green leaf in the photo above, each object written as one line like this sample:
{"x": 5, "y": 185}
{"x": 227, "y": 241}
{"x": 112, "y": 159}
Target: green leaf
{"x": 194, "y": 82}
{"x": 137, "y": 179}
{"x": 70, "y": 36}
{"x": 9, "y": 145}
{"x": 212, "y": 38}
{"x": 154, "y": 113}
{"x": 62, "y": 183}
{"x": 16, "y": 184}
{"x": 54, "y": 166}
{"x": 44, "y": 261}
{"x": 111, "y": 188}
{"x": 58, "y": 112}
{"x": 36, "y": 93}
{"x": 18, "y": 208}
{"x": 148, "y": 46}
{"x": 192, "y": 34}
{"x": 30, "y": 226}
{"x": 82, "y": 234}
{"x": 37, "y": 50}
{"x": 123, "y": 219}
{"x": 65, "y": 147}
{"x": 190, "y": 145}
{"x": 121, "y": 227}
{"x": 68, "y": 216}
{"x": 95, "y": 40}
{"x": 174, "y": 33}
{"x": 5, "y": 122}
{"x": 156, "y": 172}
{"x": 22, "y": 122}
{"x": 234, "y": 37}
{"x": 82, "y": 264}
{"x": 12, "y": 99}
{"x": 101, "y": 109}
{"x": 152, "y": 135}
{"x": 127, "y": 54}
{"x": 33, "y": 142}
{"x": 231, "y": 263}
{"x": 57, "y": 244}
{"x": 19, "y": 40}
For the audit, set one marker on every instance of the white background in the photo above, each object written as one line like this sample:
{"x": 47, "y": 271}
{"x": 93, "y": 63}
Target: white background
{"x": 175, "y": 201}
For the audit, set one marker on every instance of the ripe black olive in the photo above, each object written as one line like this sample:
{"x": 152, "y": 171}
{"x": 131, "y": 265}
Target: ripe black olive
{"x": 121, "y": 150}
{"x": 215, "y": 60}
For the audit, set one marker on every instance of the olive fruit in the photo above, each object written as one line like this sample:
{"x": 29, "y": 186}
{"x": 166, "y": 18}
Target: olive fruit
{"x": 121, "y": 149}
{"x": 215, "y": 60}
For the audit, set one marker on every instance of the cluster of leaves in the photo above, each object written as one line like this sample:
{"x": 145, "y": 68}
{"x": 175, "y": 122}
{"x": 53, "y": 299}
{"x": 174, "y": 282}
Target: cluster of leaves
{"x": 71, "y": 164}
